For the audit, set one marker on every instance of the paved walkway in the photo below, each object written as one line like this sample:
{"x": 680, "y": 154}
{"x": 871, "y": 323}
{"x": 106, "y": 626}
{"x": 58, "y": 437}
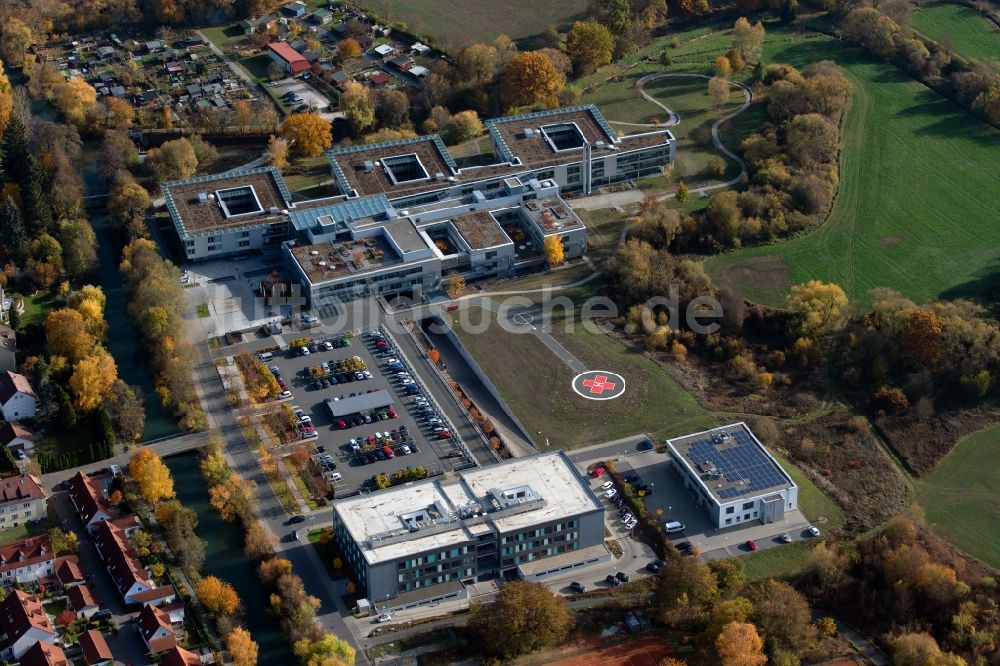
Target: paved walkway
{"x": 619, "y": 199}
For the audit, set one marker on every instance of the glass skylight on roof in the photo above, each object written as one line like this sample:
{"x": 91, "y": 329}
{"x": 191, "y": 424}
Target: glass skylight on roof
{"x": 563, "y": 136}
{"x": 404, "y": 168}
{"x": 238, "y": 201}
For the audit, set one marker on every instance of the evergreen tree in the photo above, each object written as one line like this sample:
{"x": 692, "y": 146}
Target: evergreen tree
{"x": 15, "y": 149}
{"x": 13, "y": 318}
{"x": 67, "y": 413}
{"x": 789, "y": 11}
{"x": 12, "y": 227}
{"x": 37, "y": 210}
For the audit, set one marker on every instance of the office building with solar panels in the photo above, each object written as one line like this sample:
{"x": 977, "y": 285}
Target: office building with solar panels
{"x": 733, "y": 477}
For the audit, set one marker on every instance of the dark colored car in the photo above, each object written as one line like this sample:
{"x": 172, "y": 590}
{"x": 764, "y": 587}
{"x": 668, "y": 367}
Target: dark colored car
{"x": 654, "y": 567}
{"x": 612, "y": 581}
{"x": 579, "y": 588}
{"x": 296, "y": 519}
{"x": 622, "y": 576}
{"x": 646, "y": 445}
{"x": 320, "y": 449}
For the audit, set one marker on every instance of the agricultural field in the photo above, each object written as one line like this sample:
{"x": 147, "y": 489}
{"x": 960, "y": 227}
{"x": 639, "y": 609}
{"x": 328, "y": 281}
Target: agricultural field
{"x": 969, "y": 34}
{"x": 536, "y": 386}
{"x": 453, "y": 25}
{"x": 920, "y": 185}
{"x": 961, "y": 496}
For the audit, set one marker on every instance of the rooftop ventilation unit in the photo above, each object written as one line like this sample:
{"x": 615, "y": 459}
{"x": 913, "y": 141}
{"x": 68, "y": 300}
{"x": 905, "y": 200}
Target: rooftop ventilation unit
{"x": 321, "y": 264}
{"x": 273, "y": 210}
{"x": 368, "y": 166}
{"x": 528, "y": 132}
{"x": 452, "y": 179}
{"x": 314, "y": 253}
{"x": 378, "y": 164}
{"x": 202, "y": 198}
{"x": 439, "y": 176}
{"x": 599, "y": 145}
{"x": 404, "y": 213}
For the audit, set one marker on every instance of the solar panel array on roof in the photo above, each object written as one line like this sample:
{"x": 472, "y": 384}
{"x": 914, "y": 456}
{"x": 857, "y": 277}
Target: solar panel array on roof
{"x": 741, "y": 461}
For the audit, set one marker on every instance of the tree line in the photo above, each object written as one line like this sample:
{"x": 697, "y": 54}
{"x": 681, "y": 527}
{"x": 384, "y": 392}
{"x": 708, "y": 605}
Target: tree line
{"x": 236, "y": 500}
{"x": 885, "y": 31}
{"x": 155, "y": 303}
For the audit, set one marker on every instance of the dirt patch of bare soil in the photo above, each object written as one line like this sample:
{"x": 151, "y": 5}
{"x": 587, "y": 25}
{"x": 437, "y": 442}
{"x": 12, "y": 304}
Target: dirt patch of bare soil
{"x": 840, "y": 454}
{"x": 922, "y": 444}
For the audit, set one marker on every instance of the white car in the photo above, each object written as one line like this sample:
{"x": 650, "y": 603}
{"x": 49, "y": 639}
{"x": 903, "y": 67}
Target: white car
{"x": 631, "y": 523}
{"x": 813, "y": 531}
{"x": 405, "y": 450}
{"x": 304, "y": 351}
{"x": 611, "y": 493}
{"x": 384, "y": 617}
{"x": 607, "y": 485}
{"x": 332, "y": 476}
{"x": 367, "y": 374}
{"x": 305, "y": 419}
{"x": 284, "y": 395}
{"x": 327, "y": 345}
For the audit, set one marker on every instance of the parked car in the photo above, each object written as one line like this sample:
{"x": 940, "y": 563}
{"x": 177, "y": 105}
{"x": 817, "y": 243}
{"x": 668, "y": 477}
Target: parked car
{"x": 598, "y": 472}
{"x": 342, "y": 424}
{"x": 784, "y": 538}
{"x": 404, "y": 449}
{"x": 388, "y": 452}
{"x": 612, "y": 581}
{"x": 813, "y": 531}
{"x": 653, "y": 567}
{"x": 611, "y": 493}
{"x": 296, "y": 519}
{"x": 751, "y": 544}
{"x": 579, "y": 588}
{"x": 622, "y": 576}
{"x": 284, "y": 395}
{"x": 384, "y": 617}
{"x": 607, "y": 485}
{"x": 673, "y": 526}
{"x": 444, "y": 434}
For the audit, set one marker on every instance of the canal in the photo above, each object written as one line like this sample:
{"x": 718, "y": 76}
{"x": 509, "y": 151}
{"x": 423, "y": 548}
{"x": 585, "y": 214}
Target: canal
{"x": 225, "y": 559}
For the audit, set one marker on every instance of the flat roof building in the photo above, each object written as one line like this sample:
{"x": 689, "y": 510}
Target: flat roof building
{"x": 363, "y": 403}
{"x": 732, "y": 476}
{"x": 523, "y": 518}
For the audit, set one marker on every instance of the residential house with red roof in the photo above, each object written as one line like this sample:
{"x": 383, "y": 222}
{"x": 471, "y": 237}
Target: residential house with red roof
{"x": 158, "y": 596}
{"x": 68, "y": 571}
{"x": 178, "y": 656}
{"x": 17, "y": 398}
{"x": 22, "y": 624}
{"x": 44, "y": 654}
{"x": 26, "y": 561}
{"x": 283, "y": 54}
{"x": 16, "y": 437}
{"x": 95, "y": 649}
{"x": 127, "y": 572}
{"x": 22, "y": 500}
{"x": 87, "y": 496}
{"x": 82, "y": 600}
{"x": 156, "y": 630}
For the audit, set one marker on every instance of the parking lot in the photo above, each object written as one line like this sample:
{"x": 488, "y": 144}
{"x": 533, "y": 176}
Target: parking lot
{"x": 411, "y": 416}
{"x": 671, "y": 502}
{"x": 309, "y": 96}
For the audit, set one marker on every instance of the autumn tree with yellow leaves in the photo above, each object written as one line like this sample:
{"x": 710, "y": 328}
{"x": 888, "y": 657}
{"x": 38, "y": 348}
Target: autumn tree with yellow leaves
{"x": 307, "y": 134}
{"x": 151, "y": 475}
{"x": 217, "y": 596}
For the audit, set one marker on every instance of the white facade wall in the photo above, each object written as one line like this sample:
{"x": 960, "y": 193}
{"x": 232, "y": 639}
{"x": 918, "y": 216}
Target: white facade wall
{"x": 20, "y": 406}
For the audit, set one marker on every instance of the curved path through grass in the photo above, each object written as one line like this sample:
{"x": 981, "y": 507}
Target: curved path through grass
{"x": 675, "y": 119}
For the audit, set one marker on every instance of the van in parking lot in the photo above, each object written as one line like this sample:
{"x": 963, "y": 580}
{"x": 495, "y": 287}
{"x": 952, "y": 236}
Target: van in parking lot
{"x": 673, "y": 526}
{"x": 265, "y": 356}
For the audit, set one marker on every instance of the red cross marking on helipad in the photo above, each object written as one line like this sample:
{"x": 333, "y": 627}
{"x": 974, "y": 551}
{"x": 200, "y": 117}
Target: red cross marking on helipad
{"x": 599, "y": 384}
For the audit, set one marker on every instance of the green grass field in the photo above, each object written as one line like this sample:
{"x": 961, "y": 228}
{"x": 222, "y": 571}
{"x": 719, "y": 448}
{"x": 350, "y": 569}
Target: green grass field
{"x": 961, "y": 496}
{"x": 536, "y": 386}
{"x": 453, "y": 25}
{"x": 968, "y": 33}
{"x": 916, "y": 210}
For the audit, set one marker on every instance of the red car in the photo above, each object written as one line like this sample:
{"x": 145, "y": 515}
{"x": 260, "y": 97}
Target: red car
{"x": 381, "y": 344}
{"x": 444, "y": 434}
{"x": 751, "y": 544}
{"x": 598, "y": 472}
{"x": 342, "y": 424}
{"x": 388, "y": 451}
{"x": 391, "y": 413}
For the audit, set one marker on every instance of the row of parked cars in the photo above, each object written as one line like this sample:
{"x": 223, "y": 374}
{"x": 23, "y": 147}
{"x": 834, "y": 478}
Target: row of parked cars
{"x": 383, "y": 446}
{"x": 624, "y": 513}
{"x": 398, "y": 372}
